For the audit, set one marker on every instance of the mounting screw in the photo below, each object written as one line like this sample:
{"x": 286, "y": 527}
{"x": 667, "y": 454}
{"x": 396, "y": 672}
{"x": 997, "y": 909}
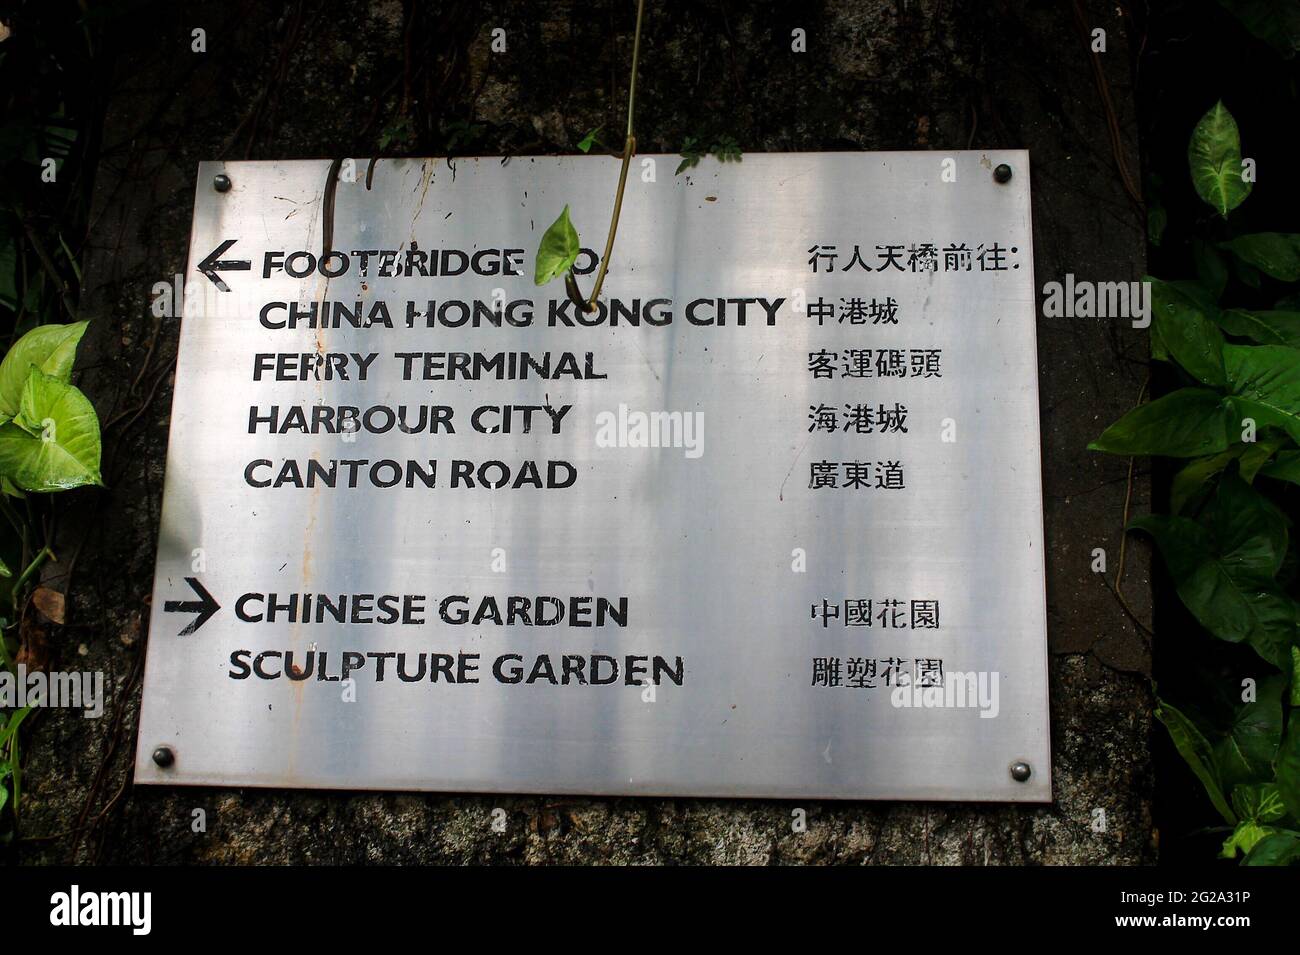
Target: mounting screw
{"x": 1021, "y": 772}
{"x": 163, "y": 756}
{"x": 221, "y": 182}
{"x": 1001, "y": 173}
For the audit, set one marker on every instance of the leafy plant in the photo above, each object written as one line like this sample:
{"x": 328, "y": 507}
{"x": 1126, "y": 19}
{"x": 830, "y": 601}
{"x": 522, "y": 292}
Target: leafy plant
{"x": 722, "y": 148}
{"x": 1228, "y": 546}
{"x": 49, "y": 435}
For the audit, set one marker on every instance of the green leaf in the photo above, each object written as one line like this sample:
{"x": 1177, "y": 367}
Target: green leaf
{"x": 1260, "y": 802}
{"x": 1267, "y": 328}
{"x": 1295, "y": 676}
{"x": 1183, "y": 424}
{"x": 1285, "y": 468}
{"x": 1194, "y": 749}
{"x": 5, "y": 572}
{"x": 558, "y": 251}
{"x": 692, "y": 153}
{"x": 1214, "y": 155}
{"x": 7, "y": 729}
{"x": 1223, "y": 572}
{"x": 1265, "y": 382}
{"x": 1276, "y": 254}
{"x": 1277, "y": 848}
{"x": 1257, "y": 454}
{"x": 726, "y": 149}
{"x": 589, "y": 140}
{"x": 1245, "y": 837}
{"x": 50, "y": 348}
{"x": 1194, "y": 475}
{"x": 1192, "y": 339}
{"x": 53, "y": 444}
{"x": 7, "y": 487}
{"x": 1246, "y": 752}
{"x": 1287, "y": 767}
{"x": 1252, "y": 458}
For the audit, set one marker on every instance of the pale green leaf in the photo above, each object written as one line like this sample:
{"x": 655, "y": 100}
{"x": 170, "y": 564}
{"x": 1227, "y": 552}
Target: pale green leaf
{"x": 50, "y": 348}
{"x": 53, "y": 444}
{"x": 1245, "y": 837}
{"x": 1214, "y": 155}
{"x": 558, "y": 250}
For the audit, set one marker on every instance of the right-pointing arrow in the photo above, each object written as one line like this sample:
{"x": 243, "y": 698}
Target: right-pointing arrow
{"x": 205, "y": 606}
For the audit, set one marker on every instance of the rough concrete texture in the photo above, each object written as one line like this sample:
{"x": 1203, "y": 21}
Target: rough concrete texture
{"x": 330, "y": 78}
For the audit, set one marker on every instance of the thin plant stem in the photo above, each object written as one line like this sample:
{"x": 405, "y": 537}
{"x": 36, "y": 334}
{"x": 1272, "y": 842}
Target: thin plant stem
{"x": 26, "y": 575}
{"x": 629, "y": 149}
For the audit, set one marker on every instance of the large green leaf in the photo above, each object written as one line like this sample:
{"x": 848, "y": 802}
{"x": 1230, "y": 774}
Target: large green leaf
{"x": 1183, "y": 424}
{"x": 1265, "y": 382}
{"x": 1214, "y": 155}
{"x": 558, "y": 250}
{"x": 1224, "y": 572}
{"x": 50, "y": 348}
{"x": 1245, "y": 753}
{"x": 1186, "y": 333}
{"x": 1195, "y": 750}
{"x": 1274, "y": 253}
{"x": 1277, "y": 848}
{"x": 1248, "y": 529}
{"x": 1267, "y": 328}
{"x": 53, "y": 443}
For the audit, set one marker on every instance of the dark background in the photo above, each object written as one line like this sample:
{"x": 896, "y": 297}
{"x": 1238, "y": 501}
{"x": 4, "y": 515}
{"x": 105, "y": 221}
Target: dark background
{"x": 328, "y": 78}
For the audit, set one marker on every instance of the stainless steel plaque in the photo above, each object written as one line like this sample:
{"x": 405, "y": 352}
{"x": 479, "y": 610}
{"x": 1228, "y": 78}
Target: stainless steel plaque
{"x": 768, "y": 524}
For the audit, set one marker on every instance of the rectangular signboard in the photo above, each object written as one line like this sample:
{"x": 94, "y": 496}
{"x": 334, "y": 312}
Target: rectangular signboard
{"x": 768, "y": 523}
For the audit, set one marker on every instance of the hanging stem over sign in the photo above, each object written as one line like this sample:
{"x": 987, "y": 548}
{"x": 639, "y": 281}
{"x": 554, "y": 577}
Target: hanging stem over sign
{"x": 559, "y": 247}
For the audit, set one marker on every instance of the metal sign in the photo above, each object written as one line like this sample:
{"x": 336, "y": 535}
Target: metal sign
{"x": 768, "y": 523}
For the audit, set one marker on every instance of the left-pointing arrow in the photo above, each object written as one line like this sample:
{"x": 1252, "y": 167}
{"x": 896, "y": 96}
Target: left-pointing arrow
{"x": 205, "y": 606}
{"x": 213, "y": 264}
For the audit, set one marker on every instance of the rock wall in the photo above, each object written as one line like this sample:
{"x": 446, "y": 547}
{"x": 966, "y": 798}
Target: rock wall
{"x": 331, "y": 78}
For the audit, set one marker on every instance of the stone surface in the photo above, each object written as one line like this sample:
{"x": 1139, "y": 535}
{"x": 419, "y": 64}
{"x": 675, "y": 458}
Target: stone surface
{"x": 286, "y": 82}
